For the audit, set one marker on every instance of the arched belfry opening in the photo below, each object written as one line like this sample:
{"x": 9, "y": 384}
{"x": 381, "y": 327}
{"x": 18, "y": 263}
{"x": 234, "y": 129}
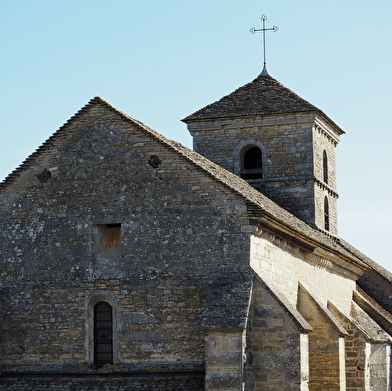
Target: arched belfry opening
{"x": 326, "y": 214}
{"x": 251, "y": 163}
{"x": 325, "y": 167}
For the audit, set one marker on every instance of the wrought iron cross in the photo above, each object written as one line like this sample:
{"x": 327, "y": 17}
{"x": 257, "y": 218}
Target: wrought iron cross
{"x": 263, "y": 29}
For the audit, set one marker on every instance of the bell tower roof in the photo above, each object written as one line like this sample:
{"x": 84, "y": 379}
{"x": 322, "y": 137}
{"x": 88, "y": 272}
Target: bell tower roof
{"x": 262, "y": 96}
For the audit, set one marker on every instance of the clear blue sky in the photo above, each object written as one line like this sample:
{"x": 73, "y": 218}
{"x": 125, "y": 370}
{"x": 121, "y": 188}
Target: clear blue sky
{"x": 159, "y": 61}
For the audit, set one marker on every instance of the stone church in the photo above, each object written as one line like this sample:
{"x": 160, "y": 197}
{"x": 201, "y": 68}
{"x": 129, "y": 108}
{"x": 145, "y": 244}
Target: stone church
{"x": 130, "y": 262}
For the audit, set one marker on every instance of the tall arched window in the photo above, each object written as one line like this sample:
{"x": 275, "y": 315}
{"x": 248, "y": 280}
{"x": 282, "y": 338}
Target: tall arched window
{"x": 325, "y": 167}
{"x": 326, "y": 214}
{"x": 103, "y": 333}
{"x": 252, "y": 166}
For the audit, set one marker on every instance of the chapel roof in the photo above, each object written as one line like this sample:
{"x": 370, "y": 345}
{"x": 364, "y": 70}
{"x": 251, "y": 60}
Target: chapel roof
{"x": 262, "y": 96}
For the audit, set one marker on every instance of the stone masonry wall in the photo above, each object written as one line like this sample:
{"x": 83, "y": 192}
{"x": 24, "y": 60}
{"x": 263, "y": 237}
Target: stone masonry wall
{"x": 380, "y": 366}
{"x": 276, "y": 352}
{"x": 286, "y": 266}
{"x": 224, "y": 360}
{"x": 325, "y": 140}
{"x": 356, "y": 350}
{"x": 286, "y": 141}
{"x": 326, "y": 348}
{"x": 292, "y": 149}
{"x": 54, "y": 267}
{"x": 104, "y": 384}
{"x": 320, "y": 193}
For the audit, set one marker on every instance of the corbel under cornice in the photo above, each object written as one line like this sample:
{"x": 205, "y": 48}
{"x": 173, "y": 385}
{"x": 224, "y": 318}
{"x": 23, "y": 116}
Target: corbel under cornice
{"x": 313, "y": 252}
{"x": 320, "y": 257}
{"x": 324, "y": 186}
{"x": 332, "y": 135}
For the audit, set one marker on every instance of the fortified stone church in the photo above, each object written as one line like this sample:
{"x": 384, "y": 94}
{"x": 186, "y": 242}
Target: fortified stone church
{"x": 129, "y": 262}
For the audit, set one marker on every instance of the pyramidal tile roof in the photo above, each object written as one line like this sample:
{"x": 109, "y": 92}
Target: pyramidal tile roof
{"x": 264, "y": 95}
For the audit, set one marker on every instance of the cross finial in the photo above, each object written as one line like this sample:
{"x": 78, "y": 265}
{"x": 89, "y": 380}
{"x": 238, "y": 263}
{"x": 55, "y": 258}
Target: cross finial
{"x": 263, "y": 29}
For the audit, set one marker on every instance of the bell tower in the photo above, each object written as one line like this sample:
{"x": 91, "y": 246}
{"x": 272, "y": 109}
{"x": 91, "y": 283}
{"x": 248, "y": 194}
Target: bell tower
{"x": 276, "y": 141}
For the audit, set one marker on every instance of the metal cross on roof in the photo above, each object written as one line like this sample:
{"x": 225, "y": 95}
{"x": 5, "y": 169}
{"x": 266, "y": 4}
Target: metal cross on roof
{"x": 263, "y": 29}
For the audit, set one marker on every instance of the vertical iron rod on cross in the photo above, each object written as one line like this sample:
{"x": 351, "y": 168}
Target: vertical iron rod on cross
{"x": 263, "y": 30}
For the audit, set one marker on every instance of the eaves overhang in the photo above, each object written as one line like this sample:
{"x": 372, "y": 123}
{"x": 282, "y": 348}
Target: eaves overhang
{"x": 332, "y": 257}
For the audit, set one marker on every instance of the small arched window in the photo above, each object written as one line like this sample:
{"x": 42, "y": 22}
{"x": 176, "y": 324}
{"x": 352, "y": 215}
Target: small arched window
{"x": 326, "y": 214}
{"x": 252, "y": 164}
{"x": 103, "y": 333}
{"x": 325, "y": 167}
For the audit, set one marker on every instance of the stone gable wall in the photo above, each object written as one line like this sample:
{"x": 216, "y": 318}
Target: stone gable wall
{"x": 51, "y": 265}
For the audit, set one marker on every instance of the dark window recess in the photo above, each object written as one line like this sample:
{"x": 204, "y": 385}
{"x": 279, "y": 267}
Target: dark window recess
{"x": 154, "y": 161}
{"x": 103, "y": 334}
{"x": 252, "y": 167}
{"x": 325, "y": 167}
{"x": 326, "y": 214}
{"x": 44, "y": 176}
{"x": 107, "y": 238}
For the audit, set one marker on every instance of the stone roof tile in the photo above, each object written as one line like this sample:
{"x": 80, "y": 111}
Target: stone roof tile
{"x": 263, "y": 96}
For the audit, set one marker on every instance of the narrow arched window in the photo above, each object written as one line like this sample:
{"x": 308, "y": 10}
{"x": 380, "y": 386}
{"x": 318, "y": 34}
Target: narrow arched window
{"x": 326, "y": 214}
{"x": 252, "y": 166}
{"x": 325, "y": 167}
{"x": 103, "y": 333}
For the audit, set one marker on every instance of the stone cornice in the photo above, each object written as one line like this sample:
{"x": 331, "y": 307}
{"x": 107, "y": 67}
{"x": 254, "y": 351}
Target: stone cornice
{"x": 322, "y": 258}
{"x": 322, "y": 185}
{"x": 311, "y": 252}
{"x": 328, "y": 134}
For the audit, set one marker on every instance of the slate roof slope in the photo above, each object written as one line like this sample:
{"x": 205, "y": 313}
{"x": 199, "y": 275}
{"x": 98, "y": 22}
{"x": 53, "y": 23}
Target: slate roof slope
{"x": 264, "y": 95}
{"x": 232, "y": 181}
